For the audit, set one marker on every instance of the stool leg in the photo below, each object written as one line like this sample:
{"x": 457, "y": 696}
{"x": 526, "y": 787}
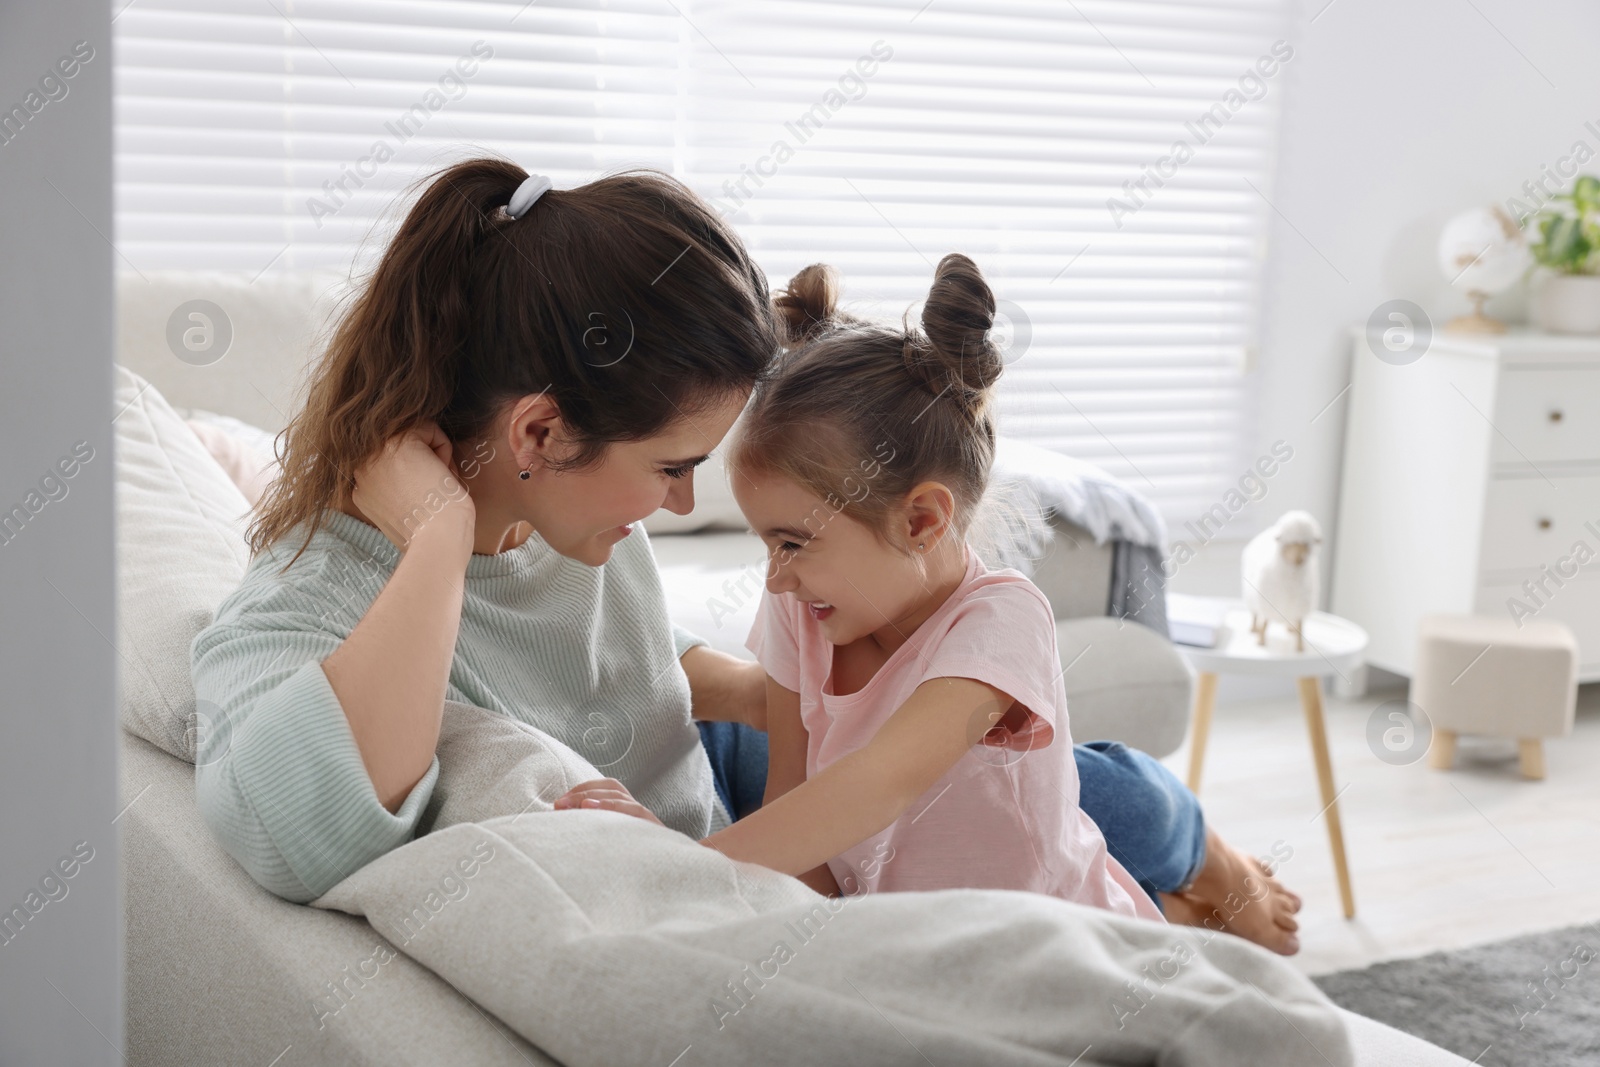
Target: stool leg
{"x": 1311, "y": 700}
{"x": 1442, "y": 753}
{"x": 1205, "y": 702}
{"x": 1530, "y": 754}
{"x": 1352, "y": 686}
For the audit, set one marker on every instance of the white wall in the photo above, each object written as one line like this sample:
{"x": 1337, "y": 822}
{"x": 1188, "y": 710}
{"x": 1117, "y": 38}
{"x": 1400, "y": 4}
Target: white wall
{"x": 1397, "y": 115}
{"x": 61, "y": 990}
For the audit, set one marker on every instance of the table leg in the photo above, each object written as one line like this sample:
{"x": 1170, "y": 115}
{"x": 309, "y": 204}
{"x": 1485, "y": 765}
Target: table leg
{"x": 1205, "y": 702}
{"x": 1442, "y": 753}
{"x": 1530, "y": 752}
{"x": 1311, "y": 700}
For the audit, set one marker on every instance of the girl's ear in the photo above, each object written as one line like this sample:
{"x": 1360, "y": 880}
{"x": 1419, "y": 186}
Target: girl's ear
{"x": 532, "y": 430}
{"x": 930, "y": 513}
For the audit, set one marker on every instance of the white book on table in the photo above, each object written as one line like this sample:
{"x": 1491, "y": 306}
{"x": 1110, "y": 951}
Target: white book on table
{"x": 1196, "y": 620}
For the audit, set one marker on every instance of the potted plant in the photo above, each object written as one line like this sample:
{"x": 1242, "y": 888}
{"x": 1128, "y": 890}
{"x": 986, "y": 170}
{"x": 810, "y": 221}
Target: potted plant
{"x": 1565, "y": 297}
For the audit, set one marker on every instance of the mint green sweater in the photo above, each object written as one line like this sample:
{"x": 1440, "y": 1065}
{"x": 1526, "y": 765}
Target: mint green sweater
{"x": 586, "y": 654}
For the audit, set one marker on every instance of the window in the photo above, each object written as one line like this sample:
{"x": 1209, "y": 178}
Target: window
{"x": 1106, "y": 162}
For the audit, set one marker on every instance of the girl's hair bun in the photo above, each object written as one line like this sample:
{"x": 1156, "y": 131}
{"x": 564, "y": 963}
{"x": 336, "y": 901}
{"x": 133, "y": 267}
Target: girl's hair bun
{"x": 919, "y": 398}
{"x": 809, "y": 307}
{"x": 954, "y": 352}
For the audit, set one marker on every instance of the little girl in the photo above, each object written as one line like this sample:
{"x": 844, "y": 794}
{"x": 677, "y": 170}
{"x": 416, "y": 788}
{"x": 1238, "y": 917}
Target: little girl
{"x": 917, "y": 719}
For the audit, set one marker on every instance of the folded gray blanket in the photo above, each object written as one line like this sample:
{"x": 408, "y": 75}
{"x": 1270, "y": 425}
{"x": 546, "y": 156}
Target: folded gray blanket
{"x": 1082, "y": 493}
{"x": 1138, "y": 586}
{"x": 1030, "y": 483}
{"x": 606, "y": 940}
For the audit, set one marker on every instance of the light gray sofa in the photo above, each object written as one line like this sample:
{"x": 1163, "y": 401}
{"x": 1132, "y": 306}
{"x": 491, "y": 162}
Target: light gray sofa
{"x": 218, "y": 970}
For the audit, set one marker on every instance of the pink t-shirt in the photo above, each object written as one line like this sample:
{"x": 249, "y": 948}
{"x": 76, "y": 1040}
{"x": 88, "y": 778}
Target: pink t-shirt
{"x": 1006, "y": 816}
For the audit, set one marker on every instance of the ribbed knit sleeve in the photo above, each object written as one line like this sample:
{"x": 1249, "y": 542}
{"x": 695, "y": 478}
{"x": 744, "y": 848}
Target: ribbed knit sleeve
{"x": 683, "y": 640}
{"x": 282, "y": 784}
{"x": 584, "y": 653}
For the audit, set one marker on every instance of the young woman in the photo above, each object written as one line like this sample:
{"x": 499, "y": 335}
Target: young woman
{"x": 528, "y": 373}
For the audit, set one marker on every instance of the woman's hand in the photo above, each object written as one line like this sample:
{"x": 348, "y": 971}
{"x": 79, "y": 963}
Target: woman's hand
{"x": 410, "y": 483}
{"x": 606, "y": 794}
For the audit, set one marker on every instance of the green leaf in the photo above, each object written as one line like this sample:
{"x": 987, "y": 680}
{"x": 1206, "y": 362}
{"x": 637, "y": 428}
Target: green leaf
{"x": 1589, "y": 227}
{"x": 1586, "y": 193}
{"x": 1569, "y": 238}
{"x": 1563, "y": 245}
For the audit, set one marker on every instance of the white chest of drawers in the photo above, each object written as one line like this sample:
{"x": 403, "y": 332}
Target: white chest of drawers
{"x": 1471, "y": 484}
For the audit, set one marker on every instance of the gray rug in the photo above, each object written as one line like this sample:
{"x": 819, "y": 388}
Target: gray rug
{"x": 1529, "y": 1002}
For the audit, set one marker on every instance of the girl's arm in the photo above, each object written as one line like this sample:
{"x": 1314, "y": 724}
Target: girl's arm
{"x": 786, "y": 766}
{"x": 786, "y": 742}
{"x": 866, "y": 791}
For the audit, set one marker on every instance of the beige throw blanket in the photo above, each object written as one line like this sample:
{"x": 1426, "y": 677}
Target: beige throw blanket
{"x": 609, "y": 941}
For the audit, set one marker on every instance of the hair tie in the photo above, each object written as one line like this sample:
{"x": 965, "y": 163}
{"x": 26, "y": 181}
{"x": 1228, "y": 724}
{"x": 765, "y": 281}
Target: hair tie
{"x": 532, "y": 188}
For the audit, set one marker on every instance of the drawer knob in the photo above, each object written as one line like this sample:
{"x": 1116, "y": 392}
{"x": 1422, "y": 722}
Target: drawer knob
{"x": 1544, "y": 524}
{"x": 1555, "y": 415}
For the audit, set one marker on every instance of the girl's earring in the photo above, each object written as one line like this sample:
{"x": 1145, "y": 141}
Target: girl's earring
{"x": 921, "y": 546}
{"x": 524, "y": 474}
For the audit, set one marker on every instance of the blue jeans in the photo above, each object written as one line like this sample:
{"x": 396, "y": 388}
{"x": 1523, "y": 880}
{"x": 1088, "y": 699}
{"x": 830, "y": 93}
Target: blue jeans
{"x": 738, "y": 764}
{"x": 1151, "y": 822}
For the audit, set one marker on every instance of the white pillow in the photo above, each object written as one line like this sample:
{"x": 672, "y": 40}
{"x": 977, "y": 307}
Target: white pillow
{"x": 258, "y": 441}
{"x": 244, "y": 452}
{"x": 180, "y": 551}
{"x": 250, "y": 472}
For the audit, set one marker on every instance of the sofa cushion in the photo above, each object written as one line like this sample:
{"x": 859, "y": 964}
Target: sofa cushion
{"x": 1124, "y": 682}
{"x": 227, "y": 340}
{"x": 180, "y": 551}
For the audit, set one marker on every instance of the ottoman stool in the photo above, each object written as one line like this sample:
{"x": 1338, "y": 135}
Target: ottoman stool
{"x": 1478, "y": 674}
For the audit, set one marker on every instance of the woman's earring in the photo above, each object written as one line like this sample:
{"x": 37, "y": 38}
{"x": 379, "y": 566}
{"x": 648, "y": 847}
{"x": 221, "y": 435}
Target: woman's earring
{"x": 524, "y": 474}
{"x": 921, "y": 546}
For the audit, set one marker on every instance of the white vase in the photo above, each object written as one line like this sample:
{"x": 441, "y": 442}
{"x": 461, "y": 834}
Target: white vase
{"x": 1566, "y": 303}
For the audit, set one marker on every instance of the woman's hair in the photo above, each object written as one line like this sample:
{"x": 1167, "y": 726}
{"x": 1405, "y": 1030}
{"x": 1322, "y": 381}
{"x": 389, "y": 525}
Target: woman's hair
{"x": 627, "y": 301}
{"x": 858, "y": 413}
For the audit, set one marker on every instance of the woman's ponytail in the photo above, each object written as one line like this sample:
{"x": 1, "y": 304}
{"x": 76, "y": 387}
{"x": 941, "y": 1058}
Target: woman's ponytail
{"x": 627, "y": 301}
{"x": 392, "y": 361}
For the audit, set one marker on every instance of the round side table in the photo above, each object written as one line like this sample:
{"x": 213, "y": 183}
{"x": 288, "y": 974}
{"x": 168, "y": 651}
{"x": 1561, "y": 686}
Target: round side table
{"x": 1333, "y": 646}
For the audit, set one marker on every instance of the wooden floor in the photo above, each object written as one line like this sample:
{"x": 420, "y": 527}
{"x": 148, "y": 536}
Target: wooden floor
{"x": 1439, "y": 860}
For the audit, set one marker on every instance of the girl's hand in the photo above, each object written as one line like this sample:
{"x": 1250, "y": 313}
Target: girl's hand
{"x": 606, "y": 794}
{"x": 410, "y": 484}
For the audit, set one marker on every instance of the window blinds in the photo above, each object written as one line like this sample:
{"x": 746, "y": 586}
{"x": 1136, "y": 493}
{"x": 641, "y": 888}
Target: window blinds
{"x": 277, "y": 134}
{"x": 1106, "y": 163}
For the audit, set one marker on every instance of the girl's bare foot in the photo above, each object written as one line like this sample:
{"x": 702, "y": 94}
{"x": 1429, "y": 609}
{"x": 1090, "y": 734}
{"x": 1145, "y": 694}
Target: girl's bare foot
{"x": 1234, "y": 892}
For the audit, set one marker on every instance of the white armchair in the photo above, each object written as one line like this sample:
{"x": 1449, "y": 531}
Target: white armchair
{"x": 1125, "y": 682}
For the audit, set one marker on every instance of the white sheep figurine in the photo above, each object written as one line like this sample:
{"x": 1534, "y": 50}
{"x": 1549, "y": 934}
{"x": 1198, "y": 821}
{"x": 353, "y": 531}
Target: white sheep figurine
{"x": 1280, "y": 575}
